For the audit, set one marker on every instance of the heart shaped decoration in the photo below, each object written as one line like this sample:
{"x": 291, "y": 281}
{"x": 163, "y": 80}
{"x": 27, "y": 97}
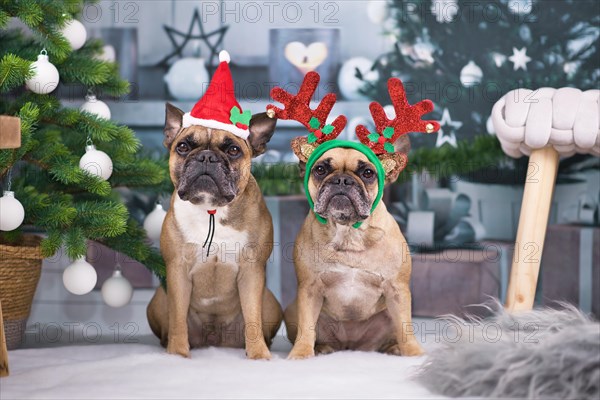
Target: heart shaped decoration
{"x": 305, "y": 58}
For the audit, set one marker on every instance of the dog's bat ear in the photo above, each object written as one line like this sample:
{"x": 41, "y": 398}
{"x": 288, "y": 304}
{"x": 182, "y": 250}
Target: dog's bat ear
{"x": 261, "y": 130}
{"x": 394, "y": 163}
{"x": 302, "y": 149}
{"x": 173, "y": 122}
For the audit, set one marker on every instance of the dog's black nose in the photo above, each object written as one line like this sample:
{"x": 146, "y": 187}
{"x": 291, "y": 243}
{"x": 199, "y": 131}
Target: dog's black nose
{"x": 343, "y": 180}
{"x": 207, "y": 156}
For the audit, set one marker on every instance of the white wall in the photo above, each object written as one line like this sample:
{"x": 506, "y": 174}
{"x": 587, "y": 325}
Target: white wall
{"x": 249, "y": 22}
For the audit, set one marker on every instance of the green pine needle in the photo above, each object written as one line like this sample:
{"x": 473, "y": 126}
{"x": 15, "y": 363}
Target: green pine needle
{"x": 14, "y": 71}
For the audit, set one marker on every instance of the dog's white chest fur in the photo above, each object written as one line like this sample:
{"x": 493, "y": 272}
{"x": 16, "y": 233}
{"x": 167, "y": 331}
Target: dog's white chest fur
{"x": 194, "y": 222}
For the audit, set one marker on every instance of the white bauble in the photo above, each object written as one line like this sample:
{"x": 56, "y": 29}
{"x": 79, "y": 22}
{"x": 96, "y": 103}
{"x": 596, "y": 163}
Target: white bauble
{"x": 75, "y": 33}
{"x": 95, "y": 106}
{"x": 96, "y": 162}
{"x": 520, "y": 7}
{"x": 187, "y": 78}
{"x": 80, "y": 277}
{"x": 471, "y": 74}
{"x": 12, "y": 212}
{"x": 108, "y": 54}
{"x": 117, "y": 290}
{"x": 377, "y": 11}
{"x": 422, "y": 53}
{"x": 571, "y": 68}
{"x": 45, "y": 76}
{"x": 349, "y": 84}
{"x": 153, "y": 223}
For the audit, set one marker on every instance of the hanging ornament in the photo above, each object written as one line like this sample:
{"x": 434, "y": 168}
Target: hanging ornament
{"x": 96, "y": 162}
{"x": 12, "y": 212}
{"x": 520, "y": 7}
{"x": 447, "y": 125}
{"x": 153, "y": 223}
{"x": 423, "y": 52}
{"x": 444, "y": 10}
{"x": 348, "y": 81}
{"x": 117, "y": 290}
{"x": 519, "y": 58}
{"x": 525, "y": 34}
{"x": 377, "y": 11}
{"x": 80, "y": 277}
{"x": 95, "y": 106}
{"x": 75, "y": 33}
{"x": 471, "y": 74}
{"x": 570, "y": 68}
{"x": 45, "y": 75}
{"x": 107, "y": 54}
{"x": 499, "y": 59}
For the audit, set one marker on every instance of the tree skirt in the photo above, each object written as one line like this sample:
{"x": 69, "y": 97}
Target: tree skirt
{"x": 144, "y": 370}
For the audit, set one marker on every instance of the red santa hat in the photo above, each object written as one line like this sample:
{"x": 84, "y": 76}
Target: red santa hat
{"x": 218, "y": 108}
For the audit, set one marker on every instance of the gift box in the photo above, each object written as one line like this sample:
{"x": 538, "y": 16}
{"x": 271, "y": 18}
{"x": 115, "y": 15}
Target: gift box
{"x": 570, "y": 268}
{"x": 450, "y": 281}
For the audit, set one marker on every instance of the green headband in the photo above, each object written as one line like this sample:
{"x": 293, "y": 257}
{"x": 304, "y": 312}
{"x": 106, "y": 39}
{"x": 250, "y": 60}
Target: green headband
{"x": 331, "y": 144}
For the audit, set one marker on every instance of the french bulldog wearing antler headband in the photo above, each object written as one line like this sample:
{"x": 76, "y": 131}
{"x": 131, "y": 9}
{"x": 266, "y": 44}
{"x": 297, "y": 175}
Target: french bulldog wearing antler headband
{"x": 218, "y": 233}
{"x": 352, "y": 262}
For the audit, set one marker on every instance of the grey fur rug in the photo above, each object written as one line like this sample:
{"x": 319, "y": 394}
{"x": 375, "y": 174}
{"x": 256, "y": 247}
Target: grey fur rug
{"x": 540, "y": 354}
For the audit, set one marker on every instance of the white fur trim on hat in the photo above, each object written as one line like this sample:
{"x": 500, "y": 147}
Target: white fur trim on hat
{"x": 224, "y": 56}
{"x": 188, "y": 121}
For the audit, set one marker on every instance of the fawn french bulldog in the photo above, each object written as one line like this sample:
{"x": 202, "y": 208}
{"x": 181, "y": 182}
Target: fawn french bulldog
{"x": 352, "y": 262}
{"x": 218, "y": 233}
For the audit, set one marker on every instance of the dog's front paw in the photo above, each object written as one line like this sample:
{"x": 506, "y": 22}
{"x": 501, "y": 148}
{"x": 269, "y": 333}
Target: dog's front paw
{"x": 179, "y": 346}
{"x": 411, "y": 349}
{"x": 258, "y": 352}
{"x": 322, "y": 349}
{"x": 301, "y": 351}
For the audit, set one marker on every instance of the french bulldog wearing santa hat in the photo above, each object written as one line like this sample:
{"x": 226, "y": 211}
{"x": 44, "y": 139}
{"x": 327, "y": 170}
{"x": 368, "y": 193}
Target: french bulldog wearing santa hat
{"x": 218, "y": 233}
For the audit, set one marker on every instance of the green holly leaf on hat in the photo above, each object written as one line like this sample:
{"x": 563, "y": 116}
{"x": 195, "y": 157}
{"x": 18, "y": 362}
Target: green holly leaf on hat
{"x": 388, "y": 132}
{"x": 314, "y": 123}
{"x": 389, "y": 147}
{"x": 327, "y": 129}
{"x": 237, "y": 116}
{"x": 373, "y": 137}
{"x": 312, "y": 138}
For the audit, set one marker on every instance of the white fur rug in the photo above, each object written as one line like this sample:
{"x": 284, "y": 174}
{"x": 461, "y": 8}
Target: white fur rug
{"x": 144, "y": 370}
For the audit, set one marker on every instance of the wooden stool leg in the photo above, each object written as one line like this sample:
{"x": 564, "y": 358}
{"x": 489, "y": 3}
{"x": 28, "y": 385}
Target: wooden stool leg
{"x": 3, "y": 351}
{"x": 535, "y": 210}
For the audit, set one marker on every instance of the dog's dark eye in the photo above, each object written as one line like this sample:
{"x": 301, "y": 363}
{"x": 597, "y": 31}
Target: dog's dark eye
{"x": 183, "y": 148}
{"x": 368, "y": 173}
{"x": 234, "y": 151}
{"x": 320, "y": 170}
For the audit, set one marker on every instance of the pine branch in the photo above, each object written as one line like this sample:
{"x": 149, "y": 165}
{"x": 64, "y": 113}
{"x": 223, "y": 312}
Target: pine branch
{"x": 14, "y": 71}
{"x": 134, "y": 244}
{"x": 482, "y": 152}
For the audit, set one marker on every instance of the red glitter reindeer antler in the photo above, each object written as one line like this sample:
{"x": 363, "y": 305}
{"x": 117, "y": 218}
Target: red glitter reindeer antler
{"x": 408, "y": 119}
{"x": 297, "y": 108}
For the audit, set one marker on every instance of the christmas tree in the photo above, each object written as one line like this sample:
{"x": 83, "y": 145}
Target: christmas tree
{"x": 465, "y": 55}
{"x": 70, "y": 203}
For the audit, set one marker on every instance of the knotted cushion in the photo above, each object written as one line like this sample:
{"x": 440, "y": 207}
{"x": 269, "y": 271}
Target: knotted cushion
{"x": 567, "y": 119}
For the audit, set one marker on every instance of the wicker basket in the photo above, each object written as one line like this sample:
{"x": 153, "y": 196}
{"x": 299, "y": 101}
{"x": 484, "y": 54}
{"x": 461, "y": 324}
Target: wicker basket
{"x": 20, "y": 268}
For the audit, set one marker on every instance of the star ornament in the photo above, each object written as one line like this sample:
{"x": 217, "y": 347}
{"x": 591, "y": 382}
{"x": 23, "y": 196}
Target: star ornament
{"x": 519, "y": 58}
{"x": 206, "y": 37}
{"x": 452, "y": 127}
